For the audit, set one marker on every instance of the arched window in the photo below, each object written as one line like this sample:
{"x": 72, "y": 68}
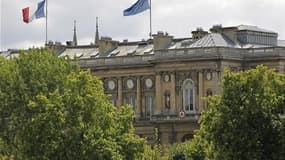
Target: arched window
{"x": 188, "y": 96}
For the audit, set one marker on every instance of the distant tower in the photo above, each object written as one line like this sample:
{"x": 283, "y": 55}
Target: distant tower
{"x": 97, "y": 33}
{"x": 74, "y": 35}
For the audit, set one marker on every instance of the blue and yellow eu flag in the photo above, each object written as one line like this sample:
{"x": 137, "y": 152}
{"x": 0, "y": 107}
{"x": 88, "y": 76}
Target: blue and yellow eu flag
{"x": 138, "y": 7}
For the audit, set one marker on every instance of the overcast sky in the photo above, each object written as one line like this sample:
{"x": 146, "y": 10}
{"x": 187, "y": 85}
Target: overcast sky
{"x": 177, "y": 17}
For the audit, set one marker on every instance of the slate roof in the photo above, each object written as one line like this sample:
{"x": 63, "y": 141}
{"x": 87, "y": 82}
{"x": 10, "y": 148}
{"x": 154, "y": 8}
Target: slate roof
{"x": 214, "y": 40}
{"x": 80, "y": 52}
{"x": 281, "y": 43}
{"x": 128, "y": 50}
{"x": 121, "y": 50}
{"x": 10, "y": 54}
{"x": 220, "y": 40}
{"x": 253, "y": 28}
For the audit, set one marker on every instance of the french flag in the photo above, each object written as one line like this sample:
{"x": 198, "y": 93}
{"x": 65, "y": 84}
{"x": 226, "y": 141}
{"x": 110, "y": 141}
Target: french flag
{"x": 29, "y": 14}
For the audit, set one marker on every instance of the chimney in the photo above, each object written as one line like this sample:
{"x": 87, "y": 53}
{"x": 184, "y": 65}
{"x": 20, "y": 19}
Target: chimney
{"x": 229, "y": 32}
{"x": 106, "y": 44}
{"x": 199, "y": 33}
{"x": 216, "y": 28}
{"x": 161, "y": 40}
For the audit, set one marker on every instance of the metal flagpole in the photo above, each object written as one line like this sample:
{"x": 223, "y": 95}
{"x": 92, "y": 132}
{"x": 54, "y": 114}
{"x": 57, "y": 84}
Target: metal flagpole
{"x": 46, "y": 21}
{"x": 150, "y": 20}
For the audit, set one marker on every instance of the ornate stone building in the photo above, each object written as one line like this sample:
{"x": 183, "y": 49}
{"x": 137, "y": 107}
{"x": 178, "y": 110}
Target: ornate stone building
{"x": 165, "y": 79}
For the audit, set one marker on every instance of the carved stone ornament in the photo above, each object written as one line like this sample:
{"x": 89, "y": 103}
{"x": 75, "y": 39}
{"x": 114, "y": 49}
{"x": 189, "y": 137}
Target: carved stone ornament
{"x": 208, "y": 76}
{"x": 166, "y": 78}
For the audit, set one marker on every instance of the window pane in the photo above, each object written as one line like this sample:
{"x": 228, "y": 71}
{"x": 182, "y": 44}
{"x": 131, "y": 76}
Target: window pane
{"x": 191, "y": 100}
{"x": 188, "y": 96}
{"x": 113, "y": 101}
{"x": 133, "y": 101}
{"x": 149, "y": 105}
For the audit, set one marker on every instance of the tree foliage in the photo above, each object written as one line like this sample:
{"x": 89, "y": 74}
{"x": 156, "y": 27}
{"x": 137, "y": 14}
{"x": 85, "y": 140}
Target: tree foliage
{"x": 50, "y": 109}
{"x": 245, "y": 122}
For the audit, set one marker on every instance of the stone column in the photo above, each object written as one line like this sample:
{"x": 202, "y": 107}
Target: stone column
{"x": 120, "y": 92}
{"x": 158, "y": 104}
{"x": 138, "y": 94}
{"x": 201, "y": 91}
{"x": 173, "y": 108}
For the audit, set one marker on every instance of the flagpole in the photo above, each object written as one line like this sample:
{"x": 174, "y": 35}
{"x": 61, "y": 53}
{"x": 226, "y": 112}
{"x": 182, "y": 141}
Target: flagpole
{"x": 150, "y": 20}
{"x": 46, "y": 21}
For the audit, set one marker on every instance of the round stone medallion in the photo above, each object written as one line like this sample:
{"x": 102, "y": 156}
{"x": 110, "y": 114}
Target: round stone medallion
{"x": 111, "y": 85}
{"x": 130, "y": 84}
{"x": 148, "y": 83}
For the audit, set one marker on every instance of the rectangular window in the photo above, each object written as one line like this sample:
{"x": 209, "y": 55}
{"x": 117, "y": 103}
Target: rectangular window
{"x": 148, "y": 105}
{"x": 187, "y": 100}
{"x": 131, "y": 100}
{"x": 113, "y": 100}
{"x": 191, "y": 100}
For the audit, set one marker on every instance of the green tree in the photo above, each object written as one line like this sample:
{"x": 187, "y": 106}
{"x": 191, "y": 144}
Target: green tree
{"x": 158, "y": 151}
{"x": 192, "y": 150}
{"x": 50, "y": 109}
{"x": 132, "y": 147}
{"x": 245, "y": 123}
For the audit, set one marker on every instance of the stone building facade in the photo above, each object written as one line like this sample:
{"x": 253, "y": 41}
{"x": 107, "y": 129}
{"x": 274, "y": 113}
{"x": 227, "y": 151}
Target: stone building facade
{"x": 165, "y": 79}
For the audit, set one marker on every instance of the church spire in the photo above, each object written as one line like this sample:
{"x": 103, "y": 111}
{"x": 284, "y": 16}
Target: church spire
{"x": 97, "y": 33}
{"x": 74, "y": 34}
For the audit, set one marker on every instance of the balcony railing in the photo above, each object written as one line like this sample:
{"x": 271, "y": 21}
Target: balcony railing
{"x": 193, "y": 53}
{"x": 221, "y": 52}
{"x": 120, "y": 60}
{"x": 170, "y": 117}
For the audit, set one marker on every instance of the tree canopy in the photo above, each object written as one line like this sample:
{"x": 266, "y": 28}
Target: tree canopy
{"x": 50, "y": 109}
{"x": 245, "y": 122}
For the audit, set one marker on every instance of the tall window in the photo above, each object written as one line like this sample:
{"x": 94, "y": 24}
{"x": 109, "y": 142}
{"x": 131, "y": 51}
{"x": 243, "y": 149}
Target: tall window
{"x": 131, "y": 100}
{"x": 188, "y": 96}
{"x": 113, "y": 100}
{"x": 148, "y": 105}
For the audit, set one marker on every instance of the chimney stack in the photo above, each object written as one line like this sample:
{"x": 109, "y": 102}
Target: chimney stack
{"x": 106, "y": 45}
{"x": 161, "y": 40}
{"x": 199, "y": 33}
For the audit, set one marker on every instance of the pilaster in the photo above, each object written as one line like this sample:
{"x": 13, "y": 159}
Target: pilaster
{"x": 138, "y": 94}
{"x": 120, "y": 92}
{"x": 173, "y": 108}
{"x": 158, "y": 105}
{"x": 201, "y": 86}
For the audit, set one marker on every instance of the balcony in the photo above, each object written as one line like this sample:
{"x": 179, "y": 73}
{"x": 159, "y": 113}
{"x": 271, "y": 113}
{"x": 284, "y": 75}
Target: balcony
{"x": 168, "y": 118}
